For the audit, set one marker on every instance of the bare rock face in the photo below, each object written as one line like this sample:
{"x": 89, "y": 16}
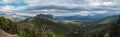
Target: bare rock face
{"x": 5, "y": 34}
{"x": 47, "y": 16}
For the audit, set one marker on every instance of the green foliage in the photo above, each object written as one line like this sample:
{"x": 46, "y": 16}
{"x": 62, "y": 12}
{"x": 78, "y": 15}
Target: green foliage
{"x": 115, "y": 29}
{"x": 8, "y": 25}
{"x": 4, "y": 23}
{"x": 110, "y": 30}
{"x": 39, "y": 27}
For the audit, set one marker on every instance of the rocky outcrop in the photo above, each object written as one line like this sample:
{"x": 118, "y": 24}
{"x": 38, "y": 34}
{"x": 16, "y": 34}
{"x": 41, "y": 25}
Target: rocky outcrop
{"x": 5, "y": 34}
{"x": 47, "y": 16}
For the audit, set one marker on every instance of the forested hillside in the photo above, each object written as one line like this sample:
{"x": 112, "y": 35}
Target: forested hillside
{"x": 109, "y": 30}
{"x": 41, "y": 27}
{"x": 38, "y": 27}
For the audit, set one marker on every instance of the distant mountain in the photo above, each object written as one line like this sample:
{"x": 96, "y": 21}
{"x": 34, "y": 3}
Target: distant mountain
{"x": 78, "y": 17}
{"x": 41, "y": 26}
{"x": 108, "y": 19}
{"x": 2, "y": 14}
{"x": 109, "y": 29}
{"x": 103, "y": 22}
{"x": 15, "y": 17}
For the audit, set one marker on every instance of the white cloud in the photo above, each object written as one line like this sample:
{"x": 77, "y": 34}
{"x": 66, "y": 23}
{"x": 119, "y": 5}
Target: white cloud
{"x": 20, "y": 8}
{"x": 7, "y": 8}
{"x": 100, "y": 3}
{"x": 89, "y": 13}
{"x": 33, "y": 2}
{"x": 84, "y": 13}
{"x": 68, "y": 3}
{"x": 91, "y": 7}
{"x": 108, "y": 3}
{"x": 7, "y": 1}
{"x": 100, "y": 12}
{"x": 10, "y": 1}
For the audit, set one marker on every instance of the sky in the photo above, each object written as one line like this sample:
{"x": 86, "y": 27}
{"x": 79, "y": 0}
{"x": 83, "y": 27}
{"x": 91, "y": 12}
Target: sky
{"x": 60, "y": 7}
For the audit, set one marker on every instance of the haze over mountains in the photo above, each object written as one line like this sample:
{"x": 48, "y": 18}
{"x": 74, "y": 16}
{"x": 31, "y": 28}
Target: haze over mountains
{"x": 17, "y": 17}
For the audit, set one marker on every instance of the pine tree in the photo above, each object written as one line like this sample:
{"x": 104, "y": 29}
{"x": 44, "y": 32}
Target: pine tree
{"x": 8, "y": 26}
{"x": 115, "y": 29}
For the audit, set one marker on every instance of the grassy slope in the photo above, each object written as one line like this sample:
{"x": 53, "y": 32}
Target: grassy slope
{"x": 42, "y": 27}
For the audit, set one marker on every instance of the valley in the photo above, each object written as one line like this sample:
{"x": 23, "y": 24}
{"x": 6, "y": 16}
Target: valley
{"x": 59, "y": 18}
{"x": 45, "y": 26}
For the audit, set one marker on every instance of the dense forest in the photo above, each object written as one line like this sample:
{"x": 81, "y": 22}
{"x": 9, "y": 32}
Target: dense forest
{"x": 40, "y": 27}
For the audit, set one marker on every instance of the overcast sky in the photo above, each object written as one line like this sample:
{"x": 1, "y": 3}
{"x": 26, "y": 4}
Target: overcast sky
{"x": 60, "y": 7}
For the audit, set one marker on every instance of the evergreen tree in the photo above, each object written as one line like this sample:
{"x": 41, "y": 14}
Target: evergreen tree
{"x": 8, "y": 26}
{"x": 115, "y": 29}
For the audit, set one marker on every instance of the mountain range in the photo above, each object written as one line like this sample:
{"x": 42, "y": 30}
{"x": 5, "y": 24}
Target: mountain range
{"x": 45, "y": 26}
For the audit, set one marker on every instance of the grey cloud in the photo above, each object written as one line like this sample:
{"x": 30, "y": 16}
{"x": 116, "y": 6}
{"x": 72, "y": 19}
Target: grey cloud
{"x": 81, "y": 8}
{"x": 61, "y": 8}
{"x": 57, "y": 8}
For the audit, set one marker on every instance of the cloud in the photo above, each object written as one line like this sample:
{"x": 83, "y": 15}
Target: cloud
{"x": 72, "y": 7}
{"x": 61, "y": 7}
{"x": 73, "y": 3}
{"x": 89, "y": 13}
{"x": 100, "y": 3}
{"x": 84, "y": 13}
{"x": 7, "y": 1}
{"x": 70, "y": 11}
{"x": 7, "y": 8}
